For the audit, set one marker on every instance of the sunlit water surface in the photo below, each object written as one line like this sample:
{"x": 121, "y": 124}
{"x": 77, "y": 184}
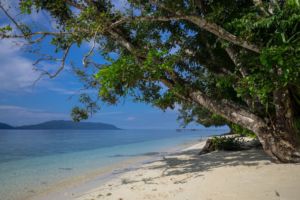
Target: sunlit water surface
{"x": 35, "y": 160}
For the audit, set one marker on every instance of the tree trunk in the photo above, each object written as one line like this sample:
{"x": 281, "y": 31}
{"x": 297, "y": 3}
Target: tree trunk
{"x": 278, "y": 140}
{"x": 282, "y": 140}
{"x": 280, "y": 146}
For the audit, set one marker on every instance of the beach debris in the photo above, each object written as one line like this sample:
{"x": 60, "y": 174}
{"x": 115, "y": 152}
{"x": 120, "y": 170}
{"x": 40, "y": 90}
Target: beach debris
{"x": 208, "y": 147}
{"x": 109, "y": 194}
{"x": 229, "y": 143}
{"x": 126, "y": 181}
{"x": 44, "y": 183}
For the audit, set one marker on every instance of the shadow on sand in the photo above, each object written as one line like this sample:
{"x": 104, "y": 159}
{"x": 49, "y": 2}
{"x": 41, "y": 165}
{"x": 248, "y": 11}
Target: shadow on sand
{"x": 190, "y": 161}
{"x": 191, "y": 164}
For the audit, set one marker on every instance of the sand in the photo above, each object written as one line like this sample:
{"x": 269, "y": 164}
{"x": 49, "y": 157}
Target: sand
{"x": 219, "y": 175}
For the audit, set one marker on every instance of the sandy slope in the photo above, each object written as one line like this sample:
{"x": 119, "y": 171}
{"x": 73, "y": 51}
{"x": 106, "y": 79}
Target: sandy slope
{"x": 216, "y": 176}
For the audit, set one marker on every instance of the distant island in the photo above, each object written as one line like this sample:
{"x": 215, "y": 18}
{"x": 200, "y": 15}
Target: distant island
{"x": 5, "y": 126}
{"x": 63, "y": 124}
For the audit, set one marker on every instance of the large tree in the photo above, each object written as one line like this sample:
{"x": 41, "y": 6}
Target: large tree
{"x": 234, "y": 62}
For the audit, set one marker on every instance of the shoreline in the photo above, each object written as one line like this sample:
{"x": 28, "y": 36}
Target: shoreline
{"x": 219, "y": 175}
{"x": 69, "y": 189}
{"x": 64, "y": 167}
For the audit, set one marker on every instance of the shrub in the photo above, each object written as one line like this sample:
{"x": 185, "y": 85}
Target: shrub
{"x": 227, "y": 143}
{"x": 236, "y": 129}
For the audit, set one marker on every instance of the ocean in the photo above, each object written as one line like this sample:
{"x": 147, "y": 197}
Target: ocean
{"x": 33, "y": 162}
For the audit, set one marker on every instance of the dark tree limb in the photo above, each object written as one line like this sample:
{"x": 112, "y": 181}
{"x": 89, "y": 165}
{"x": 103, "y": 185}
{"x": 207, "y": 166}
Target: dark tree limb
{"x": 61, "y": 67}
{"x": 200, "y": 22}
{"x": 259, "y": 4}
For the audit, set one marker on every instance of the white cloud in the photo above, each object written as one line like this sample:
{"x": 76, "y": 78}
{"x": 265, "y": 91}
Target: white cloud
{"x": 64, "y": 91}
{"x": 16, "y": 71}
{"x": 108, "y": 113}
{"x": 10, "y": 107}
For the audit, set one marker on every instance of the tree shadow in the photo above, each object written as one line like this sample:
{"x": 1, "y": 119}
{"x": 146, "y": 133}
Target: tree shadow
{"x": 190, "y": 162}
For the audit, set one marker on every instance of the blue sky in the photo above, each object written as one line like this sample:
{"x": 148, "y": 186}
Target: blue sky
{"x": 50, "y": 99}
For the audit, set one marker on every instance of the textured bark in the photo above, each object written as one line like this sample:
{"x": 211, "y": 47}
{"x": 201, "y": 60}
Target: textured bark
{"x": 208, "y": 147}
{"x": 279, "y": 146}
{"x": 284, "y": 111}
{"x": 230, "y": 111}
{"x": 201, "y": 23}
{"x": 233, "y": 54}
{"x": 222, "y": 33}
{"x": 278, "y": 142}
{"x": 122, "y": 41}
{"x": 259, "y": 4}
{"x": 286, "y": 140}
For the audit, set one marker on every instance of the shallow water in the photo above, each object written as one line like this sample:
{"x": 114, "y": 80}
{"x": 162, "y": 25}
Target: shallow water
{"x": 35, "y": 160}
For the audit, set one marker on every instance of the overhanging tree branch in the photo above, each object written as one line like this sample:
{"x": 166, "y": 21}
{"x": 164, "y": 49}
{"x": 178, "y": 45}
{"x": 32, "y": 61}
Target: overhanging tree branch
{"x": 233, "y": 54}
{"x": 39, "y": 33}
{"x": 75, "y": 4}
{"x": 229, "y": 110}
{"x": 61, "y": 67}
{"x": 200, "y": 22}
{"x": 12, "y": 19}
{"x": 260, "y": 5}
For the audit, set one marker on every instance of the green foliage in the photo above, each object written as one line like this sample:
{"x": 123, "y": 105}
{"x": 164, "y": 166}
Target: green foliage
{"x": 123, "y": 75}
{"x": 237, "y": 129}
{"x": 227, "y": 143}
{"x": 279, "y": 60}
{"x": 192, "y": 113}
{"x": 25, "y": 6}
{"x": 4, "y": 30}
{"x": 79, "y": 114}
{"x": 89, "y": 108}
{"x": 116, "y": 79}
{"x": 162, "y": 62}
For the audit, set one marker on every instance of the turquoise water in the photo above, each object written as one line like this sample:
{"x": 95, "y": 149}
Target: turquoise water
{"x": 35, "y": 160}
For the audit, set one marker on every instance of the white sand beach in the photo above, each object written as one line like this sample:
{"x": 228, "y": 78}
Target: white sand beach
{"x": 219, "y": 175}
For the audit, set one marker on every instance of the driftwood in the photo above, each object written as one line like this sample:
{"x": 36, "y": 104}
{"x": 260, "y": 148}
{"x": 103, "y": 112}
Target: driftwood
{"x": 244, "y": 145}
{"x": 208, "y": 147}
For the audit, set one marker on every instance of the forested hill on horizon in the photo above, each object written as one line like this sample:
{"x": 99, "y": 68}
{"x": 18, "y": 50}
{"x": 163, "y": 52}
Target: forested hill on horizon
{"x": 63, "y": 124}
